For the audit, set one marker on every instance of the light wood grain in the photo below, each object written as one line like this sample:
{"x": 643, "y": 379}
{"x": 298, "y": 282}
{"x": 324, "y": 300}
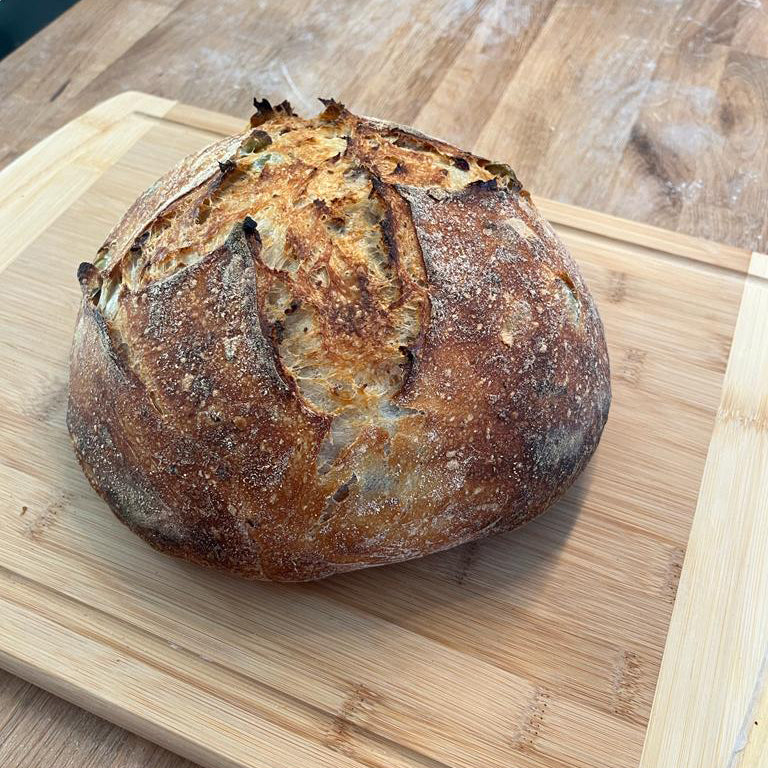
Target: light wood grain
{"x": 539, "y": 649}
{"x": 712, "y": 698}
{"x": 43, "y": 730}
{"x": 42, "y": 183}
{"x": 751, "y": 33}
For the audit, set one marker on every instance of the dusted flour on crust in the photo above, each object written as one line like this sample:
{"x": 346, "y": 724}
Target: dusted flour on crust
{"x": 329, "y": 343}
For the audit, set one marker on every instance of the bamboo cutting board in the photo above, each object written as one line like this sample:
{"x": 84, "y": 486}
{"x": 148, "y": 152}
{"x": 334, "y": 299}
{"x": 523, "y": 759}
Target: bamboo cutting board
{"x": 540, "y": 648}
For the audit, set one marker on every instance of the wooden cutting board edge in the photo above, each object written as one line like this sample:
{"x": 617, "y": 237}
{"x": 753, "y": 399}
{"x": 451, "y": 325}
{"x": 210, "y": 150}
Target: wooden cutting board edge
{"x": 711, "y": 701}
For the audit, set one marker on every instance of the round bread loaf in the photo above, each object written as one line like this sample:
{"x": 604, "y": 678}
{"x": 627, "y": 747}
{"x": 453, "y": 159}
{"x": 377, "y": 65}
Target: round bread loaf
{"x": 330, "y": 343}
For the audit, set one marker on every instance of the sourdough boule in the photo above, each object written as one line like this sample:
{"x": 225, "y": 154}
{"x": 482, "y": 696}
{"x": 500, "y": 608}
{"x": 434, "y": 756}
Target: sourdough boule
{"x": 330, "y": 343}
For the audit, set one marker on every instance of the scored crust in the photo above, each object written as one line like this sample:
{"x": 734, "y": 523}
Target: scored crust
{"x": 329, "y": 343}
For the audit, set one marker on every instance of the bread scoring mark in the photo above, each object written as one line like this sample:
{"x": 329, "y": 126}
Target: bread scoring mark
{"x": 354, "y": 294}
{"x": 322, "y": 331}
{"x": 524, "y": 737}
{"x": 449, "y": 170}
{"x": 625, "y": 682}
{"x": 230, "y": 175}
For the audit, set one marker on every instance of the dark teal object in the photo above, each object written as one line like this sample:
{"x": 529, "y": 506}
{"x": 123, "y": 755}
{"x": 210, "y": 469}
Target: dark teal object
{"x": 20, "y": 19}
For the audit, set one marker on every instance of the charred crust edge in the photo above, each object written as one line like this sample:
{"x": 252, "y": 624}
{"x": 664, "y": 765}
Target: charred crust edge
{"x": 90, "y": 280}
{"x": 265, "y": 111}
{"x": 334, "y": 110}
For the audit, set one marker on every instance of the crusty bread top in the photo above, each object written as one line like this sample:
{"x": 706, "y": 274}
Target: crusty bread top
{"x": 363, "y": 343}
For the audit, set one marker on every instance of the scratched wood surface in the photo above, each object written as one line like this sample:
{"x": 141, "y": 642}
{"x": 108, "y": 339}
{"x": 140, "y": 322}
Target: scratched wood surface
{"x": 652, "y": 110}
{"x": 540, "y": 648}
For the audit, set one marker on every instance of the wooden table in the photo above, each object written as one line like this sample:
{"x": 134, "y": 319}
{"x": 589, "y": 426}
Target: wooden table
{"x": 651, "y": 110}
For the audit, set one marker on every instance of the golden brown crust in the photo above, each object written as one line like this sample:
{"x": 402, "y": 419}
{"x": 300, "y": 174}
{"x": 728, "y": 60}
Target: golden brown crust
{"x": 331, "y": 343}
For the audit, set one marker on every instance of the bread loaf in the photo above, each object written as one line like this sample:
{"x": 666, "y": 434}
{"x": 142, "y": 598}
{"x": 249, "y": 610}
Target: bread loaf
{"x": 331, "y": 343}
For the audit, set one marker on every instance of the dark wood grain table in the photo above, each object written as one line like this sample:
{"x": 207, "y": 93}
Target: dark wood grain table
{"x": 654, "y": 110}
